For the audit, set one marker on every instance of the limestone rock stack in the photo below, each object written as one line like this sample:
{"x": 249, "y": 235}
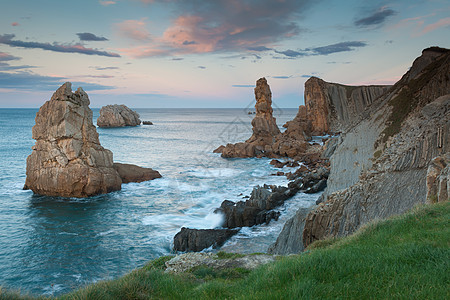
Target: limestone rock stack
{"x": 67, "y": 159}
{"x": 117, "y": 116}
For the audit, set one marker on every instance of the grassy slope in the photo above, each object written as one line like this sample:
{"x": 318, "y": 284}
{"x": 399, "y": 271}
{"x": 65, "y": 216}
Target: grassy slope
{"x": 407, "y": 257}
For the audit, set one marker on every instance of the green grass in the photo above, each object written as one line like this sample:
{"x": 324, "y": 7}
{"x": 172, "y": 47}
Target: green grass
{"x": 406, "y": 257}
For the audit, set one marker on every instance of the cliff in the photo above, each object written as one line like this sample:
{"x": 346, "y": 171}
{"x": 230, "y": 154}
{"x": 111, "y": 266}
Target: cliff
{"x": 333, "y": 107}
{"x": 379, "y": 167}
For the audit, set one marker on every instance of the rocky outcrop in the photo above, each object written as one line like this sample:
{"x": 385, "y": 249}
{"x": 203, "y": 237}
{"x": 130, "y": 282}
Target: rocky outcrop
{"x": 132, "y": 173}
{"x": 117, "y": 116}
{"x": 290, "y": 240}
{"x": 194, "y": 240}
{"x": 438, "y": 179}
{"x": 67, "y": 159}
{"x": 333, "y": 107}
{"x": 379, "y": 166}
{"x": 264, "y": 127}
{"x": 189, "y": 261}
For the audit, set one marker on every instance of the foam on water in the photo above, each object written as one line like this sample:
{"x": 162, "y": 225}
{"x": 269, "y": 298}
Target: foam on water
{"x": 47, "y": 243}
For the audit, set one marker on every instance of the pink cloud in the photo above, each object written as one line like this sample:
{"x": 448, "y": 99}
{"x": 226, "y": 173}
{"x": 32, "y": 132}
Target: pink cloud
{"x": 133, "y": 29}
{"x": 106, "y": 2}
{"x": 441, "y": 23}
{"x": 15, "y": 24}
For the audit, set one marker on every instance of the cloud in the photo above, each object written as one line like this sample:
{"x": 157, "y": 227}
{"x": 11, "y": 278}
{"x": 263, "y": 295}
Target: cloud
{"x": 323, "y": 50}
{"x": 133, "y": 29}
{"x": 201, "y": 67}
{"x": 86, "y": 36}
{"x": 441, "y": 23}
{"x": 5, "y": 57}
{"x": 243, "y": 85}
{"x": 106, "y": 2}
{"x": 33, "y": 81}
{"x": 7, "y": 39}
{"x": 105, "y": 68}
{"x": 281, "y": 77}
{"x": 376, "y": 18}
{"x": 15, "y": 24}
{"x": 259, "y": 48}
{"x": 177, "y": 58}
{"x": 222, "y": 26}
{"x": 8, "y": 67}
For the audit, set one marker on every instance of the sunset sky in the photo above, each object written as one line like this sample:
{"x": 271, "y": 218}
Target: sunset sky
{"x": 191, "y": 53}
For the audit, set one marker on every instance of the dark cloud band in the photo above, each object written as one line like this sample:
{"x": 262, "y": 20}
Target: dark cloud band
{"x": 86, "y": 36}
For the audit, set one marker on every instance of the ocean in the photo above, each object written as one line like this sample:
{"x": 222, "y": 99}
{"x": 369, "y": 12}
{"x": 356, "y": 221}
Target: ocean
{"x": 52, "y": 245}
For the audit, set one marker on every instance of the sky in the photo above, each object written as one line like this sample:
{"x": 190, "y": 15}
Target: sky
{"x": 192, "y": 53}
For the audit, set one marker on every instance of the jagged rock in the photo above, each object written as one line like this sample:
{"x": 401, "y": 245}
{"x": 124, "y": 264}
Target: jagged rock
{"x": 117, "y": 116}
{"x": 264, "y": 127}
{"x": 333, "y": 107}
{"x": 438, "y": 179}
{"x": 290, "y": 240}
{"x": 188, "y": 261}
{"x": 132, "y": 173}
{"x": 379, "y": 167}
{"x": 256, "y": 210}
{"x": 67, "y": 159}
{"x": 194, "y": 240}
{"x": 147, "y": 123}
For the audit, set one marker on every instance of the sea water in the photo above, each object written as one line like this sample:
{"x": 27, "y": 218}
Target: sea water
{"x": 52, "y": 245}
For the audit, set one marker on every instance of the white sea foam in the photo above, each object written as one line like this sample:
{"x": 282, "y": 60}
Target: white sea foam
{"x": 214, "y": 173}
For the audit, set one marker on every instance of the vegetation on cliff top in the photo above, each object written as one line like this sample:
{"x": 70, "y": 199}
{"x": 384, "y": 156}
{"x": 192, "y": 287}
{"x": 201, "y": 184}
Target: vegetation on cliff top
{"x": 406, "y": 257}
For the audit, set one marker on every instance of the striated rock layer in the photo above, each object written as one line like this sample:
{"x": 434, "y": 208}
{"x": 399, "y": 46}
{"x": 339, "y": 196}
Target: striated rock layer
{"x": 438, "y": 179}
{"x": 117, "y": 116}
{"x": 67, "y": 159}
{"x": 379, "y": 167}
{"x": 333, "y": 107}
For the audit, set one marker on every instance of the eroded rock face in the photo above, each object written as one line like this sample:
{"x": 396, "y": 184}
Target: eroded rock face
{"x": 438, "y": 179}
{"x": 333, "y": 107}
{"x": 67, "y": 159}
{"x": 117, "y": 116}
{"x": 392, "y": 159}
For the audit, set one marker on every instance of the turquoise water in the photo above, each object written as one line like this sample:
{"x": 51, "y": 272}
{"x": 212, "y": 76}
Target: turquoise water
{"x": 51, "y": 245}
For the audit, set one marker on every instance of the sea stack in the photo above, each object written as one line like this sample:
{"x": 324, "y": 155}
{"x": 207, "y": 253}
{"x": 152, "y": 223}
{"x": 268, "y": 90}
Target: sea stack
{"x": 117, "y": 116}
{"x": 67, "y": 159}
{"x": 264, "y": 127}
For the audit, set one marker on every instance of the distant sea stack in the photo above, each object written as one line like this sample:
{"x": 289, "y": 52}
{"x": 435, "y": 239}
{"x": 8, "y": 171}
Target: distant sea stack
{"x": 67, "y": 159}
{"x": 117, "y": 116}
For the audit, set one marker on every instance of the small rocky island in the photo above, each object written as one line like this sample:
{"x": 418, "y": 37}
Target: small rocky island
{"x": 67, "y": 159}
{"x": 117, "y": 116}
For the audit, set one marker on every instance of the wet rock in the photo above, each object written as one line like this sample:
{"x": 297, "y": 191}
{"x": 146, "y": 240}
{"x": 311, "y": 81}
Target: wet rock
{"x": 117, "y": 116}
{"x": 147, "y": 123}
{"x": 194, "y": 240}
{"x": 132, "y": 173}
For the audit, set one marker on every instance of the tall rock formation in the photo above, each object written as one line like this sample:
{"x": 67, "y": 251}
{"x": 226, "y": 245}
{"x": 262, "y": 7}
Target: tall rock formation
{"x": 67, "y": 159}
{"x": 117, "y": 116}
{"x": 264, "y": 126}
{"x": 379, "y": 167}
{"x": 333, "y": 107}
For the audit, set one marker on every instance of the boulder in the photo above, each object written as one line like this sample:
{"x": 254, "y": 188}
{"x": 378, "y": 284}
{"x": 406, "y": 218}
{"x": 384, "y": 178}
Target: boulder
{"x": 67, "y": 159}
{"x": 195, "y": 240}
{"x": 132, "y": 173}
{"x": 117, "y": 116}
{"x": 147, "y": 123}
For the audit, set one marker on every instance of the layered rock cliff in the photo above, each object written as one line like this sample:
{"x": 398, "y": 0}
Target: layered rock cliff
{"x": 333, "y": 107}
{"x": 67, "y": 159}
{"x": 379, "y": 167}
{"x": 117, "y": 116}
